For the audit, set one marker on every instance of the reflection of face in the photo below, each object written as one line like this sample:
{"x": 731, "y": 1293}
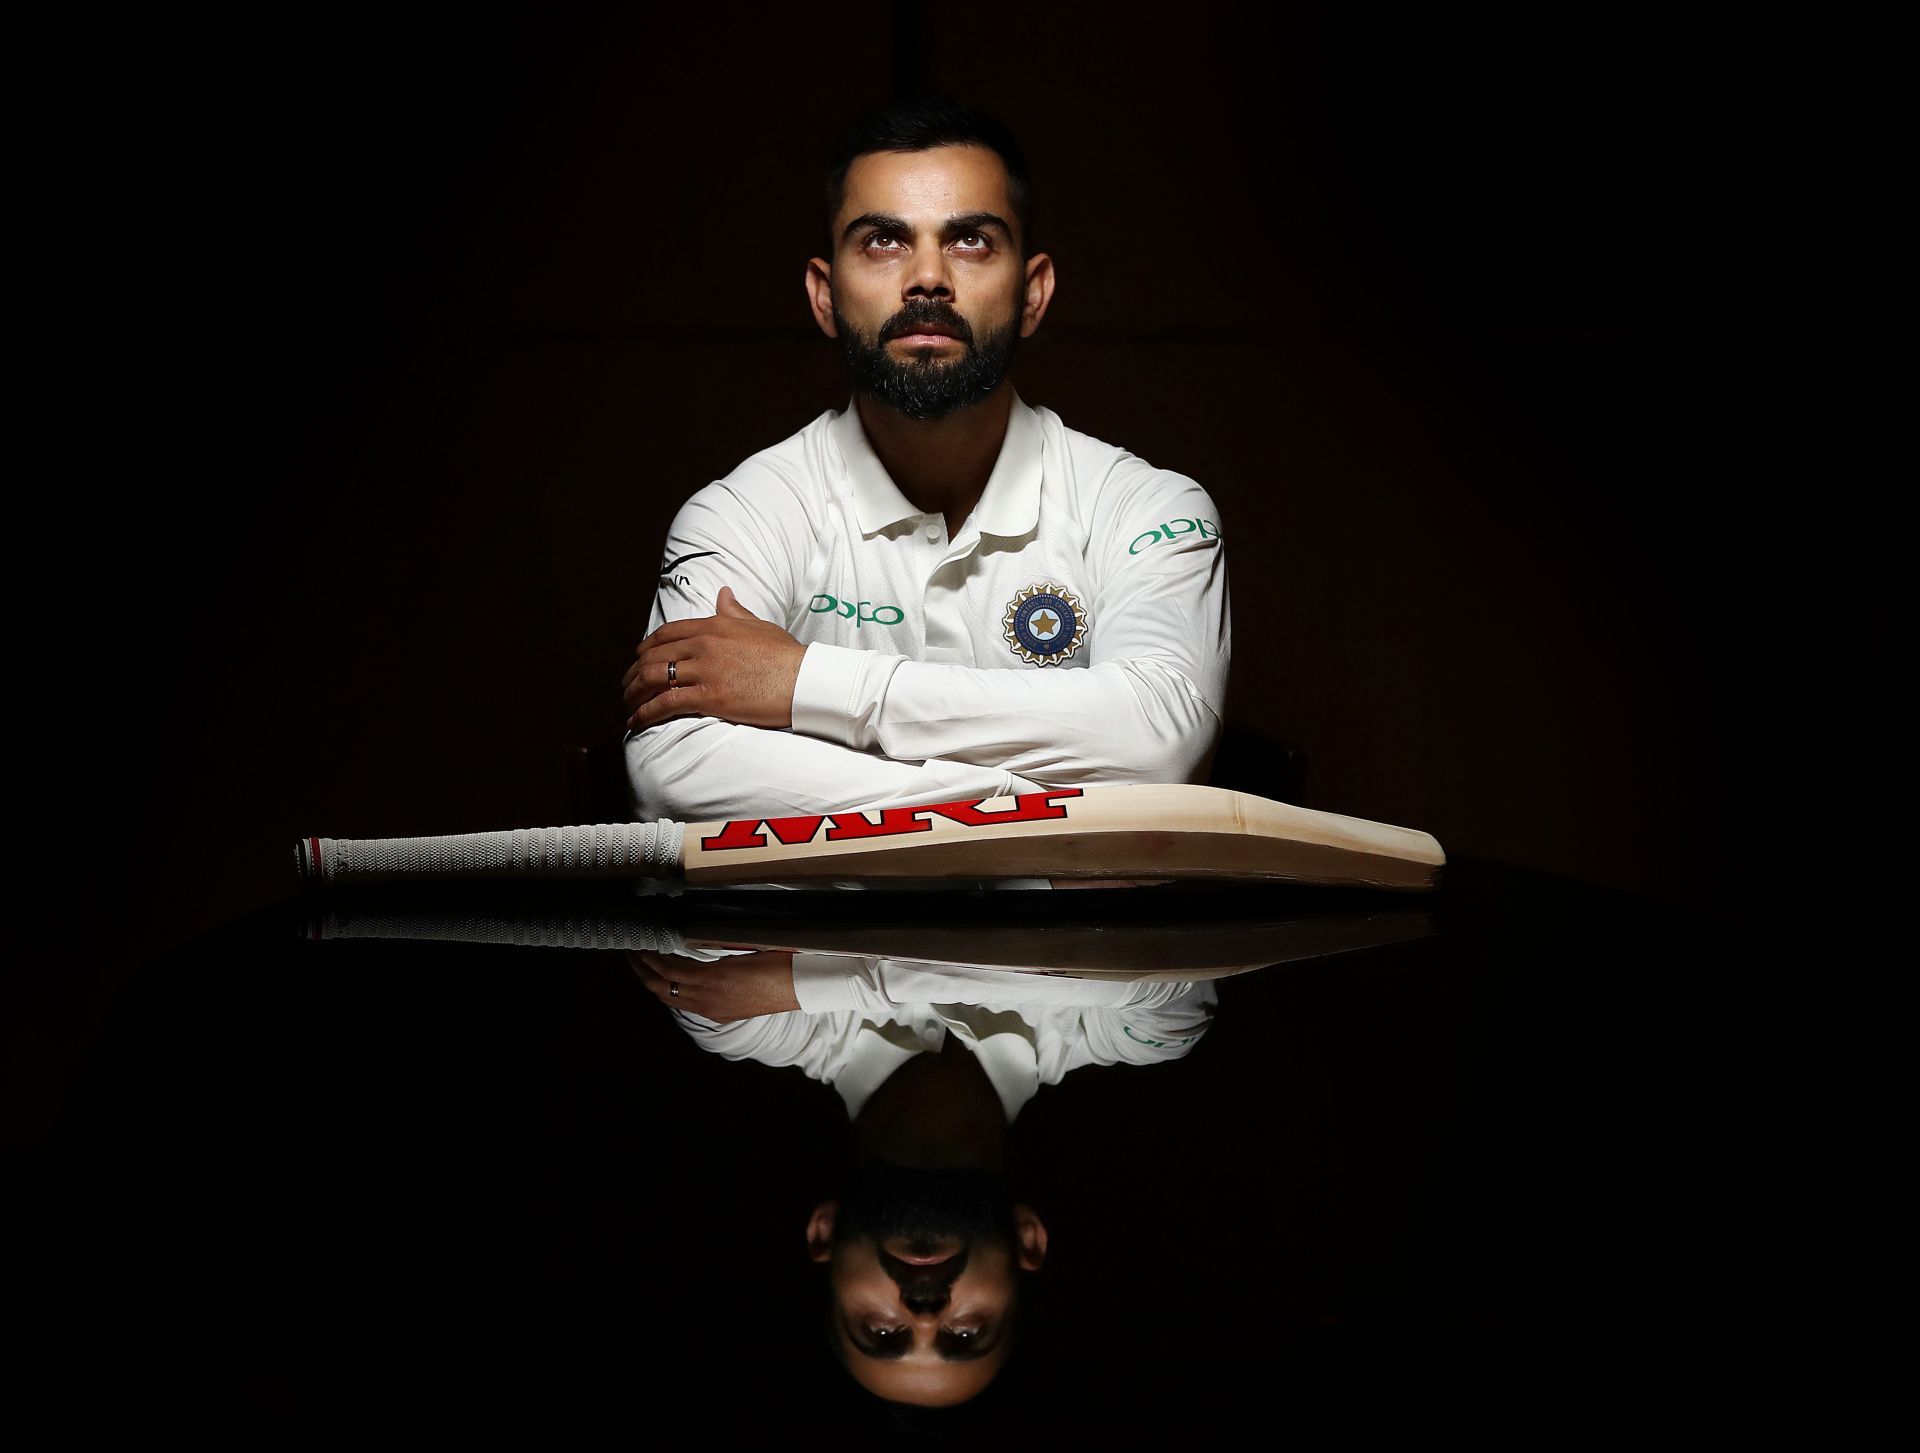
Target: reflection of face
{"x": 923, "y": 1271}
{"x": 928, "y": 280}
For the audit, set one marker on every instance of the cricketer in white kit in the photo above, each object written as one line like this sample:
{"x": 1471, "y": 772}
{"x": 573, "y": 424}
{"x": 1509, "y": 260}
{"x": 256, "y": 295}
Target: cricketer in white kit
{"x": 939, "y": 592}
{"x": 1074, "y": 633}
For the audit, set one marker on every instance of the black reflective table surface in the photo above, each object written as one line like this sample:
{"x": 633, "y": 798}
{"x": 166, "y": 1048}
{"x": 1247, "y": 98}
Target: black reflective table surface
{"x": 1324, "y": 1170}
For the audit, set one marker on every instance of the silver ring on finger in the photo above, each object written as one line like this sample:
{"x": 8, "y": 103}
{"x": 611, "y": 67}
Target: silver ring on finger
{"x": 673, "y": 679}
{"x": 673, "y": 989}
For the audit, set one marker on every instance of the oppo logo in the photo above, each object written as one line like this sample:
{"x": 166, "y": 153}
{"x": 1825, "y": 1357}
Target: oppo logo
{"x": 1173, "y": 530}
{"x": 859, "y": 612}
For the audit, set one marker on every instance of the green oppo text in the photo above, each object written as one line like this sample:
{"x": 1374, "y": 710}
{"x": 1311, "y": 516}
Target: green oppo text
{"x": 1173, "y": 530}
{"x": 859, "y": 612}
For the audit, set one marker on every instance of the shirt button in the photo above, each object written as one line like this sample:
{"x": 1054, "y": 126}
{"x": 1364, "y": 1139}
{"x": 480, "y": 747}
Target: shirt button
{"x": 933, "y": 532}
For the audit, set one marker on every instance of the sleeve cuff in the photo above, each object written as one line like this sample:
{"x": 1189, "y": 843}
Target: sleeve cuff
{"x": 837, "y": 693}
{"x": 823, "y": 983}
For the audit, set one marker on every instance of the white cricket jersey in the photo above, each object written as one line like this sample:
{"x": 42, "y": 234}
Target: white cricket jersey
{"x": 1075, "y": 632}
{"x": 862, "y": 1017}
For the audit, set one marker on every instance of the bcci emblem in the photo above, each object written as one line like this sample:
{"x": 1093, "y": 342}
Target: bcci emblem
{"x": 1045, "y": 624}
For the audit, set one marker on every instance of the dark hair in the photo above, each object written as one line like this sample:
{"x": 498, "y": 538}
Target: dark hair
{"x": 920, "y": 123}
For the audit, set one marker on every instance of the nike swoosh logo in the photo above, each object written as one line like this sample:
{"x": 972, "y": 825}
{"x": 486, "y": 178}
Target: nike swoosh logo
{"x": 673, "y": 565}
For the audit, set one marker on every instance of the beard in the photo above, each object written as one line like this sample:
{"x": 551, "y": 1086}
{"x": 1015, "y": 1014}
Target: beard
{"x": 927, "y": 387}
{"x": 885, "y": 1202}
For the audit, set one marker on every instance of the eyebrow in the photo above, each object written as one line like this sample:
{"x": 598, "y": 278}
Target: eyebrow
{"x": 949, "y": 1350}
{"x": 958, "y": 226}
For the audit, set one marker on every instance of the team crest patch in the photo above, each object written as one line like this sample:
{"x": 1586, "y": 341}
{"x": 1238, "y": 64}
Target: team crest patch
{"x": 1045, "y": 624}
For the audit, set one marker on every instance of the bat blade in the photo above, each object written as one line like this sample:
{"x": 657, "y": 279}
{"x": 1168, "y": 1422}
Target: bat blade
{"x": 1178, "y": 832}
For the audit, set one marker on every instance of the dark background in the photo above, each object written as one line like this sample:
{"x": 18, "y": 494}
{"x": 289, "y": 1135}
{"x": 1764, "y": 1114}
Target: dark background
{"x": 373, "y": 350}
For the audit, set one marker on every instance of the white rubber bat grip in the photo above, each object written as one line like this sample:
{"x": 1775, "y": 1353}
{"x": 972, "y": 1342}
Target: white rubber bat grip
{"x": 452, "y": 925}
{"x": 603, "y": 850}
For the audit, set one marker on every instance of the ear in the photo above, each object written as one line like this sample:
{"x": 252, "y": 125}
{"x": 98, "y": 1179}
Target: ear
{"x": 1038, "y": 294}
{"x": 820, "y": 294}
{"x": 1030, "y": 1234}
{"x": 820, "y": 1231}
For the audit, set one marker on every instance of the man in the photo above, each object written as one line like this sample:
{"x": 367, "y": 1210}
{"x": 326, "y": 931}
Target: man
{"x": 925, "y": 1246}
{"x": 940, "y": 592}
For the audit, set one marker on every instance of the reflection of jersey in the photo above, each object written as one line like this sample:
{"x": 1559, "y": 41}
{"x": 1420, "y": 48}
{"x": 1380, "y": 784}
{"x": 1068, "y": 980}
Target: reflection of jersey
{"x": 862, "y": 1018}
{"x": 1074, "y": 631}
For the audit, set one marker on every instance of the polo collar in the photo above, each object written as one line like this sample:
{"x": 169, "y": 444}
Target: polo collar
{"x": 1009, "y": 506}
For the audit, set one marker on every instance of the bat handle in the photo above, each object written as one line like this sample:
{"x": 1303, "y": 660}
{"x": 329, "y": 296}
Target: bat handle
{"x": 331, "y": 920}
{"x": 603, "y": 850}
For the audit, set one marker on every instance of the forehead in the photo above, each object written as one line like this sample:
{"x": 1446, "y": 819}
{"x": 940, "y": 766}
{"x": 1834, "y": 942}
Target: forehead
{"x": 943, "y": 182}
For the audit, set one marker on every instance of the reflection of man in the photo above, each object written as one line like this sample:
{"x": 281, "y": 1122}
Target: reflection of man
{"x": 867, "y": 612}
{"x": 925, "y": 1246}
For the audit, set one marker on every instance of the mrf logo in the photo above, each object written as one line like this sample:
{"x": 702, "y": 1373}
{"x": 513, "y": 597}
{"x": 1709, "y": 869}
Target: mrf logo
{"x": 893, "y": 821}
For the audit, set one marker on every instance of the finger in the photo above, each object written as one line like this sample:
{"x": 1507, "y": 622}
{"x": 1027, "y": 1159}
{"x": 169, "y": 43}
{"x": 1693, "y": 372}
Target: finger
{"x": 662, "y": 978}
{"x": 650, "y": 679}
{"x": 728, "y": 606}
{"x": 664, "y": 967}
{"x": 656, "y": 983}
{"x": 687, "y": 701}
{"x": 685, "y": 649}
{"x": 674, "y": 631}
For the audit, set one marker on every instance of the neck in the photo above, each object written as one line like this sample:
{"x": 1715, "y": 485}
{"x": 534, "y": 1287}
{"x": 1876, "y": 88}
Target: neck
{"x": 940, "y": 465}
{"x": 935, "y": 1110}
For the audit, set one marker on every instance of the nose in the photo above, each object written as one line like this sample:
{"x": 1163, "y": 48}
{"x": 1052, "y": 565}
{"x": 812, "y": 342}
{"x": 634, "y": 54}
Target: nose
{"x": 928, "y": 276}
{"x": 925, "y": 1296}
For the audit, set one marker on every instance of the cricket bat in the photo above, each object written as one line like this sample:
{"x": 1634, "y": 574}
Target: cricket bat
{"x": 1176, "y": 833}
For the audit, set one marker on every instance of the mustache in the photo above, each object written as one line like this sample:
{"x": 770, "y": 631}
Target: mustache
{"x": 923, "y": 313}
{"x": 925, "y": 1288}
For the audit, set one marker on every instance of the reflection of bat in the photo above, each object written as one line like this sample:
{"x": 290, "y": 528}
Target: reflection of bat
{"x": 1160, "y": 832}
{"x": 1184, "y": 936}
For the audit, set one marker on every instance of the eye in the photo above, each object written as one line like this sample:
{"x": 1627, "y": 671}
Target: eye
{"x": 975, "y": 242}
{"x": 883, "y": 241}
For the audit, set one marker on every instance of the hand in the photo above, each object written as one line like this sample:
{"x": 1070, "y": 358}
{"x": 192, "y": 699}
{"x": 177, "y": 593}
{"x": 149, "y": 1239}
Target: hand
{"x": 731, "y": 665}
{"x": 745, "y": 986}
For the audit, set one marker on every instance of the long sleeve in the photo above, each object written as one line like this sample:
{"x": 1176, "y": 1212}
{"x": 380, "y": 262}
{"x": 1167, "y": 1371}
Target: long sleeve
{"x": 911, "y": 689}
{"x": 852, "y": 1054}
{"x": 828, "y": 983}
{"x": 754, "y": 539}
{"x": 701, "y": 770}
{"x": 1147, "y": 709}
{"x": 817, "y": 1044}
{"x": 1026, "y": 1030}
{"x": 1153, "y": 1032}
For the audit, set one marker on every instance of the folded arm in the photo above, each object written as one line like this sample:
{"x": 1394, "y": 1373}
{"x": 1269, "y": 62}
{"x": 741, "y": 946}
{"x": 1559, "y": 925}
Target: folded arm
{"x": 697, "y": 769}
{"x": 1146, "y": 708}
{"x": 870, "y": 728}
